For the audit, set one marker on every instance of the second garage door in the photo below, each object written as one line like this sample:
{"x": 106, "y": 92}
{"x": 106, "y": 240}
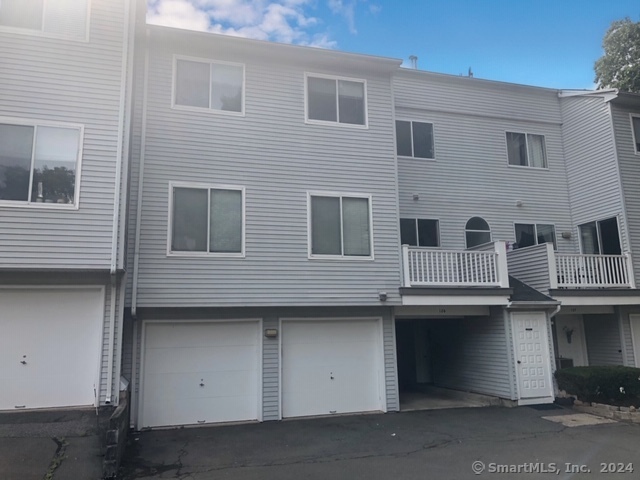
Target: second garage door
{"x": 332, "y": 366}
{"x": 200, "y": 372}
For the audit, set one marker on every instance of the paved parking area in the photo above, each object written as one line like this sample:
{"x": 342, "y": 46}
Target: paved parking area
{"x": 413, "y": 445}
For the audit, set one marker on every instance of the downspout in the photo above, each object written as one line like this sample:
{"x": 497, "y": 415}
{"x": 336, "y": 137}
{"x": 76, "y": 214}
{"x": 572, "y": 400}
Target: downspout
{"x": 116, "y": 199}
{"x": 143, "y": 146}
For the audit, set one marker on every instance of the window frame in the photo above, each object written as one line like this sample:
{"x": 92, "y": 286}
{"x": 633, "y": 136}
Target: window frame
{"x": 635, "y": 139}
{"x": 465, "y": 230}
{"x": 599, "y": 234}
{"x": 413, "y": 150}
{"x": 41, "y": 123}
{"x": 535, "y": 229}
{"x": 208, "y": 187}
{"x": 526, "y": 136}
{"x": 190, "y": 108}
{"x": 342, "y": 256}
{"x": 311, "y": 121}
{"x": 416, "y": 219}
{"x": 43, "y": 34}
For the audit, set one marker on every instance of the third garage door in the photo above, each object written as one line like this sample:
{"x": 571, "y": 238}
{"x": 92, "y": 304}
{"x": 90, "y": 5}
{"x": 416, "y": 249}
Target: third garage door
{"x": 331, "y": 366}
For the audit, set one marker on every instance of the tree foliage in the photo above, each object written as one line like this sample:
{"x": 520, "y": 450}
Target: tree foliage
{"x": 619, "y": 67}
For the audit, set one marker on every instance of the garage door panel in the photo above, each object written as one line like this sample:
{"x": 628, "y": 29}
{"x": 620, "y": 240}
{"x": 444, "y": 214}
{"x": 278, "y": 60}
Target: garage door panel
{"x": 170, "y": 360}
{"x": 199, "y": 334}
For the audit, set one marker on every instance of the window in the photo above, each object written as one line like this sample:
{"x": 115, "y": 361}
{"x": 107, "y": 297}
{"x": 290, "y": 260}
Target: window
{"x": 340, "y": 226}
{"x": 336, "y": 100}
{"x": 635, "y": 125}
{"x": 207, "y": 220}
{"x": 534, "y": 234}
{"x": 419, "y": 232}
{"x": 477, "y": 232}
{"x": 60, "y": 18}
{"x": 526, "y": 150}
{"x": 414, "y": 139}
{"x": 601, "y": 237}
{"x": 209, "y": 85}
{"x": 39, "y": 163}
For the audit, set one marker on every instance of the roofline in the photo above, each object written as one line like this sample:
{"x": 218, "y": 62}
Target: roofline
{"x": 284, "y": 47}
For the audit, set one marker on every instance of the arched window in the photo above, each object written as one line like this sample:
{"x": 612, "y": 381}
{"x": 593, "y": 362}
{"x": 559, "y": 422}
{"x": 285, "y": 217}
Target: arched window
{"x": 477, "y": 232}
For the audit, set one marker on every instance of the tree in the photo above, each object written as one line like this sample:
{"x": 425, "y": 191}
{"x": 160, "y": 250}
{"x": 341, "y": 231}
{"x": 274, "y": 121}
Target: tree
{"x": 619, "y": 67}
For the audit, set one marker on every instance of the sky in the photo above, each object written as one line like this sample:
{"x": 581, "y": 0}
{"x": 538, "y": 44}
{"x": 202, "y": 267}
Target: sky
{"x": 547, "y": 43}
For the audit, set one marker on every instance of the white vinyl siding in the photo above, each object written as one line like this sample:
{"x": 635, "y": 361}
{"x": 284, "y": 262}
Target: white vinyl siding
{"x": 528, "y": 234}
{"x": 336, "y": 100}
{"x": 58, "y": 18}
{"x": 414, "y": 139}
{"x": 526, "y": 150}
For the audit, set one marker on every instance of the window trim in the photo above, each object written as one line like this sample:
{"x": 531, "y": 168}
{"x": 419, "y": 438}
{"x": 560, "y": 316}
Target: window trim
{"x": 311, "y": 121}
{"x": 209, "y": 187}
{"x": 411, "y": 121}
{"x": 437, "y": 220}
{"x": 535, "y": 228}
{"x": 312, "y": 256}
{"x": 41, "y": 33}
{"x": 42, "y": 123}
{"x": 189, "y": 108}
{"x": 526, "y": 135}
{"x": 464, "y": 231}
{"x": 633, "y": 132}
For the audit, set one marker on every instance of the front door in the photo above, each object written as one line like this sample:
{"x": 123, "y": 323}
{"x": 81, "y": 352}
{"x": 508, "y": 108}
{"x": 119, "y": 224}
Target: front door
{"x": 533, "y": 366}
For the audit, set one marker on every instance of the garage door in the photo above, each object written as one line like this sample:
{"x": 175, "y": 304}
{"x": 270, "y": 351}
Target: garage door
{"x": 199, "y": 372}
{"x": 331, "y": 367}
{"x": 49, "y": 346}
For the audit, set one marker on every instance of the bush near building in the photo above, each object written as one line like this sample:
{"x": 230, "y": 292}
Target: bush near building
{"x": 615, "y": 385}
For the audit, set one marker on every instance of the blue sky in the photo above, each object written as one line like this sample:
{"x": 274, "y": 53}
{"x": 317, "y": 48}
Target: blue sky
{"x": 549, "y": 43}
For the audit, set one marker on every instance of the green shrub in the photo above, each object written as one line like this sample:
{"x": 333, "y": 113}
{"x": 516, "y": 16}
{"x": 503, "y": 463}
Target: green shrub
{"x": 616, "y": 384}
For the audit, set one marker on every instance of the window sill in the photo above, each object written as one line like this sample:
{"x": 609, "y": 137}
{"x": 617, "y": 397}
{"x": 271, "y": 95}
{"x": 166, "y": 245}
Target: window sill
{"x": 213, "y": 111}
{"x": 539, "y": 169}
{"x": 336, "y": 124}
{"x": 205, "y": 255}
{"x": 341, "y": 258}
{"x": 43, "y": 206}
{"x": 432, "y": 159}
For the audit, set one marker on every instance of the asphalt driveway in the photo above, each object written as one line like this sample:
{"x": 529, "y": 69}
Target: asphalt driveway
{"x": 441, "y": 444}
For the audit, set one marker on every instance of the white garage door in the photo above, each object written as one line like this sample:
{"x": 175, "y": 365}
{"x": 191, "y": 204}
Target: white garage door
{"x": 199, "y": 372}
{"x": 331, "y": 367}
{"x": 49, "y": 346}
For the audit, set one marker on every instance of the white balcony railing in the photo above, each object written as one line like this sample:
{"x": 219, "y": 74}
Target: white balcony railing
{"x": 465, "y": 268}
{"x": 594, "y": 271}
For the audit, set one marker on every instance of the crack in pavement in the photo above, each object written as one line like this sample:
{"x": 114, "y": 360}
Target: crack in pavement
{"x": 58, "y": 457}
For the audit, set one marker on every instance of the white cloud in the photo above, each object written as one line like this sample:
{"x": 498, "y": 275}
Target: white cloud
{"x": 346, "y": 8}
{"x": 286, "y": 21}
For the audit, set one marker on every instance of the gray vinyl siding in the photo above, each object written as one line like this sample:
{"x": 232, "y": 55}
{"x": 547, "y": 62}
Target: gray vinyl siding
{"x": 592, "y": 172}
{"x": 629, "y": 164}
{"x": 65, "y": 81}
{"x": 626, "y": 337}
{"x": 470, "y": 175}
{"x": 277, "y": 158}
{"x": 390, "y": 363}
{"x": 531, "y": 266}
{"x": 603, "y": 339}
{"x": 473, "y": 355}
{"x": 270, "y": 372}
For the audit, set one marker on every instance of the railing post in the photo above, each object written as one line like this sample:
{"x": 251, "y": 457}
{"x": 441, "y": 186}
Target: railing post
{"x": 405, "y": 266}
{"x": 553, "y": 267}
{"x": 632, "y": 278}
{"x": 501, "y": 263}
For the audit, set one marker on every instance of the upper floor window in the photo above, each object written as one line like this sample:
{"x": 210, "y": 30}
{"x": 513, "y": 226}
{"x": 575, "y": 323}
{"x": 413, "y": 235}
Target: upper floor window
{"x": 39, "y": 164}
{"x": 534, "y": 234}
{"x": 526, "y": 150}
{"x": 59, "y": 18}
{"x": 340, "y": 226}
{"x": 477, "y": 232}
{"x": 600, "y": 237}
{"x": 419, "y": 232}
{"x": 635, "y": 124}
{"x": 414, "y": 139}
{"x": 204, "y": 84}
{"x": 206, "y": 220}
{"x": 336, "y": 100}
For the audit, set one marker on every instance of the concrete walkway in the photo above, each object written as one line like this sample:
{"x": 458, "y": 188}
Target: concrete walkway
{"x": 53, "y": 444}
{"x": 440, "y": 444}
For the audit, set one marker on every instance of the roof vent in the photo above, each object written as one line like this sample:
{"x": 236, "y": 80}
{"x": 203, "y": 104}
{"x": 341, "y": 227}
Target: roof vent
{"x": 414, "y": 61}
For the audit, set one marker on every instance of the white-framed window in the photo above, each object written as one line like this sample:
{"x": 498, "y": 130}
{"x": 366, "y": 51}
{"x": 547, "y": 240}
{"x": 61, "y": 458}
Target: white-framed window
{"x": 419, "y": 232}
{"x": 414, "y": 139}
{"x": 635, "y": 127}
{"x": 40, "y": 163}
{"x": 526, "y": 150}
{"x": 206, "y": 220}
{"x": 68, "y": 19}
{"x": 529, "y": 234}
{"x": 340, "y": 225}
{"x": 601, "y": 237}
{"x": 477, "y": 232}
{"x": 200, "y": 84}
{"x": 336, "y": 100}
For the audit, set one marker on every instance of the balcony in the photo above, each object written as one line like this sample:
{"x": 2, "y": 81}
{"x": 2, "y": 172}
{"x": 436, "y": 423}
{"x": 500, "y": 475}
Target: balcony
{"x": 594, "y": 271}
{"x": 485, "y": 266}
